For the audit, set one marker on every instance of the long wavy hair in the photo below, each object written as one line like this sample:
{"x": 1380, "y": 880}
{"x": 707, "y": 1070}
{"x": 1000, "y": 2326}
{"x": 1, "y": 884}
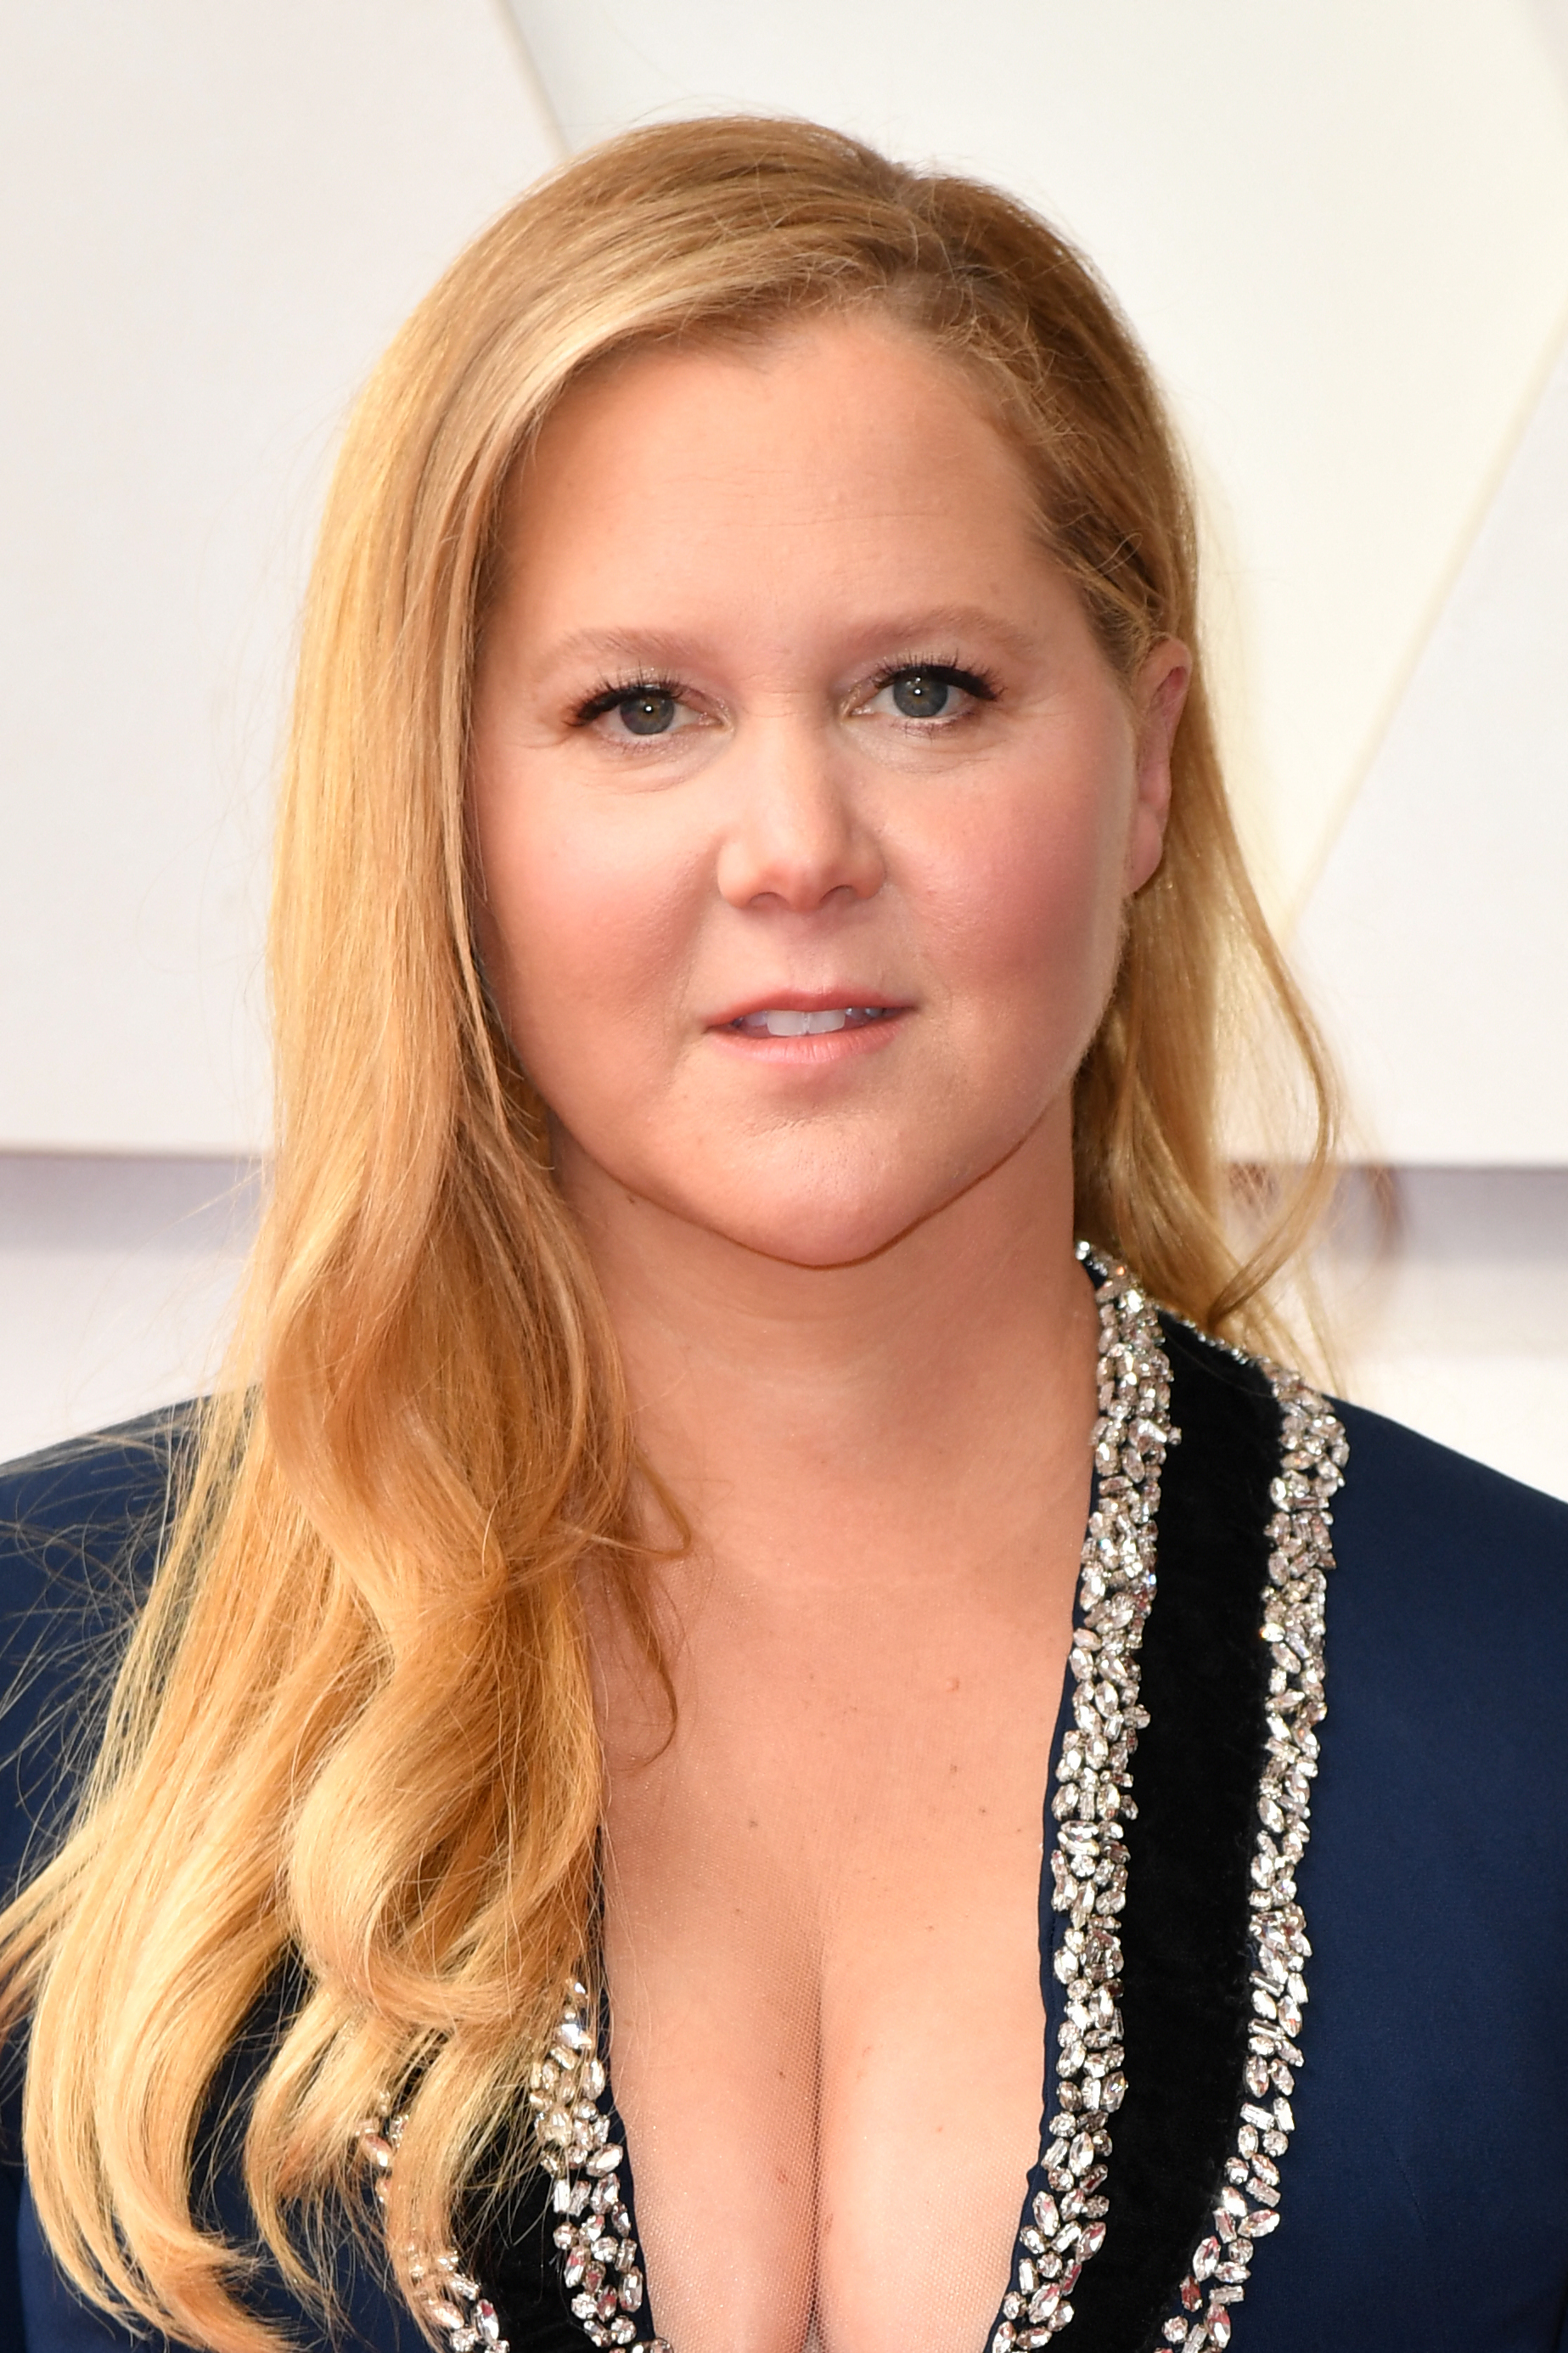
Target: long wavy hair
{"x": 353, "y": 1735}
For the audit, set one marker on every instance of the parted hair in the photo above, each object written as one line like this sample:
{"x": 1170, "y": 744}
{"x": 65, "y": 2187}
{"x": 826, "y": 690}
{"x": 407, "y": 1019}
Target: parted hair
{"x": 353, "y": 1736}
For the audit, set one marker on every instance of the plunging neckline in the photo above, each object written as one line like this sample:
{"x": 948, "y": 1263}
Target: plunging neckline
{"x": 1051, "y": 1925}
{"x": 1208, "y": 1935}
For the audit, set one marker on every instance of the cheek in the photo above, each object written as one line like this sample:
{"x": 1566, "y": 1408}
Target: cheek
{"x": 582, "y": 926}
{"x": 1030, "y": 899}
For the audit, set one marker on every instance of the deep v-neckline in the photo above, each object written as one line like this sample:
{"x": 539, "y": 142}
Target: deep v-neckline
{"x": 1049, "y": 1924}
{"x": 1201, "y": 2052}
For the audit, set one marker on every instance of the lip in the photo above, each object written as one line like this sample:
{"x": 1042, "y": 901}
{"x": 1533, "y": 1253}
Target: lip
{"x": 830, "y": 1046}
{"x": 808, "y": 1000}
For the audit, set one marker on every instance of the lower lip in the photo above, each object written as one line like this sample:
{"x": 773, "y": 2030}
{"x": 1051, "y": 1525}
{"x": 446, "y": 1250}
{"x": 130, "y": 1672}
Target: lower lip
{"x": 829, "y": 1046}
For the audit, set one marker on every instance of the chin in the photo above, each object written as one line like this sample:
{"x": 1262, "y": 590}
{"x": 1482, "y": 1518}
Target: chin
{"x": 821, "y": 1231}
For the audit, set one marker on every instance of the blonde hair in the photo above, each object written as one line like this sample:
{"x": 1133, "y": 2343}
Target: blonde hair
{"x": 354, "y": 1733}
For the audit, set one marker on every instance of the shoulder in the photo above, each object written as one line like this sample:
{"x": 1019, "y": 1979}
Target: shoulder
{"x": 1448, "y": 1650}
{"x": 81, "y": 1527}
{"x": 1438, "y": 1526}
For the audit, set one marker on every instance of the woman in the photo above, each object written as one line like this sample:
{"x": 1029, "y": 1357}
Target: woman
{"x": 753, "y": 885}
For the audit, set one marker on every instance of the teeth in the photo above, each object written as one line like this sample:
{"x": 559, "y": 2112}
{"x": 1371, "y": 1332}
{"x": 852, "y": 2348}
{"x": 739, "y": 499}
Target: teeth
{"x": 786, "y": 1023}
{"x": 803, "y": 1025}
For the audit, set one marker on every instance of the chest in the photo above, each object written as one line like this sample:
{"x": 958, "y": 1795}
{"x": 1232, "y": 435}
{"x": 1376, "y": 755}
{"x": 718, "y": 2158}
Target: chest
{"x": 821, "y": 1943}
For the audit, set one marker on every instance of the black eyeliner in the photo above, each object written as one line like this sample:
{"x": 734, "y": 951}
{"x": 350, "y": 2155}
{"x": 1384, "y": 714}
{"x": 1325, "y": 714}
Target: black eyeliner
{"x": 975, "y": 682}
{"x": 606, "y": 698}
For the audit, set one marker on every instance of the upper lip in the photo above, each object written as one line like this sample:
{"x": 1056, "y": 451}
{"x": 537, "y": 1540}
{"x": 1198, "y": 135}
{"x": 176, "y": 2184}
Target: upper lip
{"x": 807, "y": 1000}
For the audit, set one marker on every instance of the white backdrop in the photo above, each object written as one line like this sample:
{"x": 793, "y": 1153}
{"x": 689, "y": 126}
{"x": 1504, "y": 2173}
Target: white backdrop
{"x": 1343, "y": 233}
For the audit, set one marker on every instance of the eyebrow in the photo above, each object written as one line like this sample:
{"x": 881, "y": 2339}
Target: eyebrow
{"x": 921, "y": 628}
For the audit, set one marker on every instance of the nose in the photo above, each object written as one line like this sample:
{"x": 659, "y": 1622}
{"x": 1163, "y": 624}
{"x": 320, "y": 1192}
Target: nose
{"x": 794, "y": 834}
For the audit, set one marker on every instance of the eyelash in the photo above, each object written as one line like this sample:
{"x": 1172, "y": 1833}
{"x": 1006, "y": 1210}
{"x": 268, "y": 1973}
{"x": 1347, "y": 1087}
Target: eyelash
{"x": 604, "y": 699}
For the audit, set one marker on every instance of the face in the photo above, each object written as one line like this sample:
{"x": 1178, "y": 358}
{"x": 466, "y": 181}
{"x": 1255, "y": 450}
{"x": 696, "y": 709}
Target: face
{"x": 806, "y": 804}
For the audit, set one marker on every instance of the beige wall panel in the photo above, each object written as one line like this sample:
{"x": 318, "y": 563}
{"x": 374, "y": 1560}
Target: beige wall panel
{"x": 215, "y": 215}
{"x": 1435, "y": 943}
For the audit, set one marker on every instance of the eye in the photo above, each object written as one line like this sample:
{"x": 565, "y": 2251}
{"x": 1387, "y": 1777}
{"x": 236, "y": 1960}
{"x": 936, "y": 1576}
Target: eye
{"x": 649, "y": 712}
{"x": 930, "y": 691}
{"x": 649, "y": 708}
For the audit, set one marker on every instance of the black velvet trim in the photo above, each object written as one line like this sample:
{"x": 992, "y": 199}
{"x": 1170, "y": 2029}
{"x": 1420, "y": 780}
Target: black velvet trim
{"x": 1184, "y": 1931}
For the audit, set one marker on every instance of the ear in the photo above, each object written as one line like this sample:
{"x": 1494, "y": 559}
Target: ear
{"x": 1159, "y": 690}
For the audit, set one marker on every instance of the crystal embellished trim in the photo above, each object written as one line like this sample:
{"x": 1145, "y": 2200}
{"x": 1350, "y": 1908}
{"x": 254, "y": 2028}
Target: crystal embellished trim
{"x": 599, "y": 2259}
{"x": 1300, "y": 1552}
{"x": 448, "y": 2300}
{"x": 1088, "y": 1865}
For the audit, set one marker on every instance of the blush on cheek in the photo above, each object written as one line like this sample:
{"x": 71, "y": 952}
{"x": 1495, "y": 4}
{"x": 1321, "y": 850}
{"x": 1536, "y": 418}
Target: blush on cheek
{"x": 584, "y": 971}
{"x": 1033, "y": 910}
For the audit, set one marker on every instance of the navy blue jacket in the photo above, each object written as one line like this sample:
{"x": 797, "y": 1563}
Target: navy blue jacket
{"x": 1424, "y": 2195}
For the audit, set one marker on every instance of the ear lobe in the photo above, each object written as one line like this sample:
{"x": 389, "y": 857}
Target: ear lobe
{"x": 1159, "y": 696}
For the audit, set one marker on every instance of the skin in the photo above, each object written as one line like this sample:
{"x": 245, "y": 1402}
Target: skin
{"x": 859, "y": 1351}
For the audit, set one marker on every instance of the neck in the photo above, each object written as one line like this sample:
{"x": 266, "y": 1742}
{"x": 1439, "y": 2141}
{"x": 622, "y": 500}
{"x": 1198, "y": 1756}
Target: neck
{"x": 907, "y": 1409}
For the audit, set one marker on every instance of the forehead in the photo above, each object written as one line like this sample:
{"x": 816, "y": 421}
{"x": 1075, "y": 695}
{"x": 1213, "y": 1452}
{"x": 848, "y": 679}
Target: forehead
{"x": 827, "y": 425}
